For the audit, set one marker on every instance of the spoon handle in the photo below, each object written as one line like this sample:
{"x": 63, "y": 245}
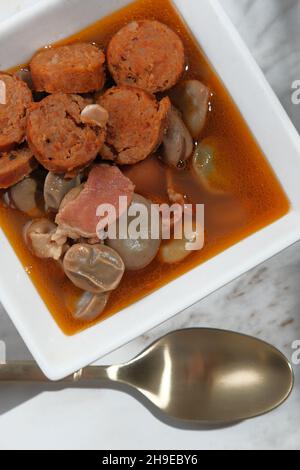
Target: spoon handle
{"x": 30, "y": 372}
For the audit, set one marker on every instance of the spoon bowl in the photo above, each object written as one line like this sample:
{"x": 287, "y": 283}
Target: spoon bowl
{"x": 195, "y": 375}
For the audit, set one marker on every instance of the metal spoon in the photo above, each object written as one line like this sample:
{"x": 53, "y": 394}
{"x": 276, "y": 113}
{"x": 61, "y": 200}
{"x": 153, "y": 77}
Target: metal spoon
{"x": 195, "y": 375}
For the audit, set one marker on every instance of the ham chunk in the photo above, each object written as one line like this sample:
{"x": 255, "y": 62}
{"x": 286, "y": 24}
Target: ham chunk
{"x": 105, "y": 185}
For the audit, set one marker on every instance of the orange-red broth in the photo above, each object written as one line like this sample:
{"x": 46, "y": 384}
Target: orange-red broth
{"x": 254, "y": 200}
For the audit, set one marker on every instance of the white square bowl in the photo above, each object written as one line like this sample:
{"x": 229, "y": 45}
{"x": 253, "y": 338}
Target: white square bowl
{"x": 59, "y": 355}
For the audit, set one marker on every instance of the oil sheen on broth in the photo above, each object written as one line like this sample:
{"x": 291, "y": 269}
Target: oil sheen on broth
{"x": 256, "y": 198}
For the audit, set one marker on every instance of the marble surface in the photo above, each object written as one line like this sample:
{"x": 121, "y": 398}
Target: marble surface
{"x": 264, "y": 303}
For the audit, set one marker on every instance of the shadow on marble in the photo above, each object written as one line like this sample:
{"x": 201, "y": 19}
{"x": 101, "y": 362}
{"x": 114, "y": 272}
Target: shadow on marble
{"x": 13, "y": 395}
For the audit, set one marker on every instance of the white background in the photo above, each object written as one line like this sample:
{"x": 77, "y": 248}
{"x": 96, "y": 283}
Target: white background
{"x": 265, "y": 303}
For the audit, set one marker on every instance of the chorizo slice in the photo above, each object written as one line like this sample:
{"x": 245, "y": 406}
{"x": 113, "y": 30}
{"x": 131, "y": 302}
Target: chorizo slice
{"x": 136, "y": 126}
{"x": 75, "y": 68}
{"x": 15, "y": 165}
{"x": 15, "y": 99}
{"x": 146, "y": 54}
{"x": 58, "y": 137}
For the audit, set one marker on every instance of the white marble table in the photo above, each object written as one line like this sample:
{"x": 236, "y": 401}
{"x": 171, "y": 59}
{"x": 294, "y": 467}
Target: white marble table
{"x": 264, "y": 303}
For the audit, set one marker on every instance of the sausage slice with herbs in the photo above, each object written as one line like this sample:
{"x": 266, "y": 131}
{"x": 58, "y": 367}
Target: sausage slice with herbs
{"x": 136, "y": 126}
{"x": 15, "y": 99}
{"x": 75, "y": 68}
{"x": 15, "y": 166}
{"x": 146, "y": 54}
{"x": 59, "y": 138}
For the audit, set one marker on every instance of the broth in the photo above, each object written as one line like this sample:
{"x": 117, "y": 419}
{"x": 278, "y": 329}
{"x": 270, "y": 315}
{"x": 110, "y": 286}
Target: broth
{"x": 256, "y": 198}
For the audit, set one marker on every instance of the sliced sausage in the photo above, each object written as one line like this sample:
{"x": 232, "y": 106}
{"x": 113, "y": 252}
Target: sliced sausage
{"x": 146, "y": 54}
{"x": 16, "y": 98}
{"x": 59, "y": 138}
{"x": 136, "y": 125}
{"x": 76, "y": 68}
{"x": 15, "y": 166}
